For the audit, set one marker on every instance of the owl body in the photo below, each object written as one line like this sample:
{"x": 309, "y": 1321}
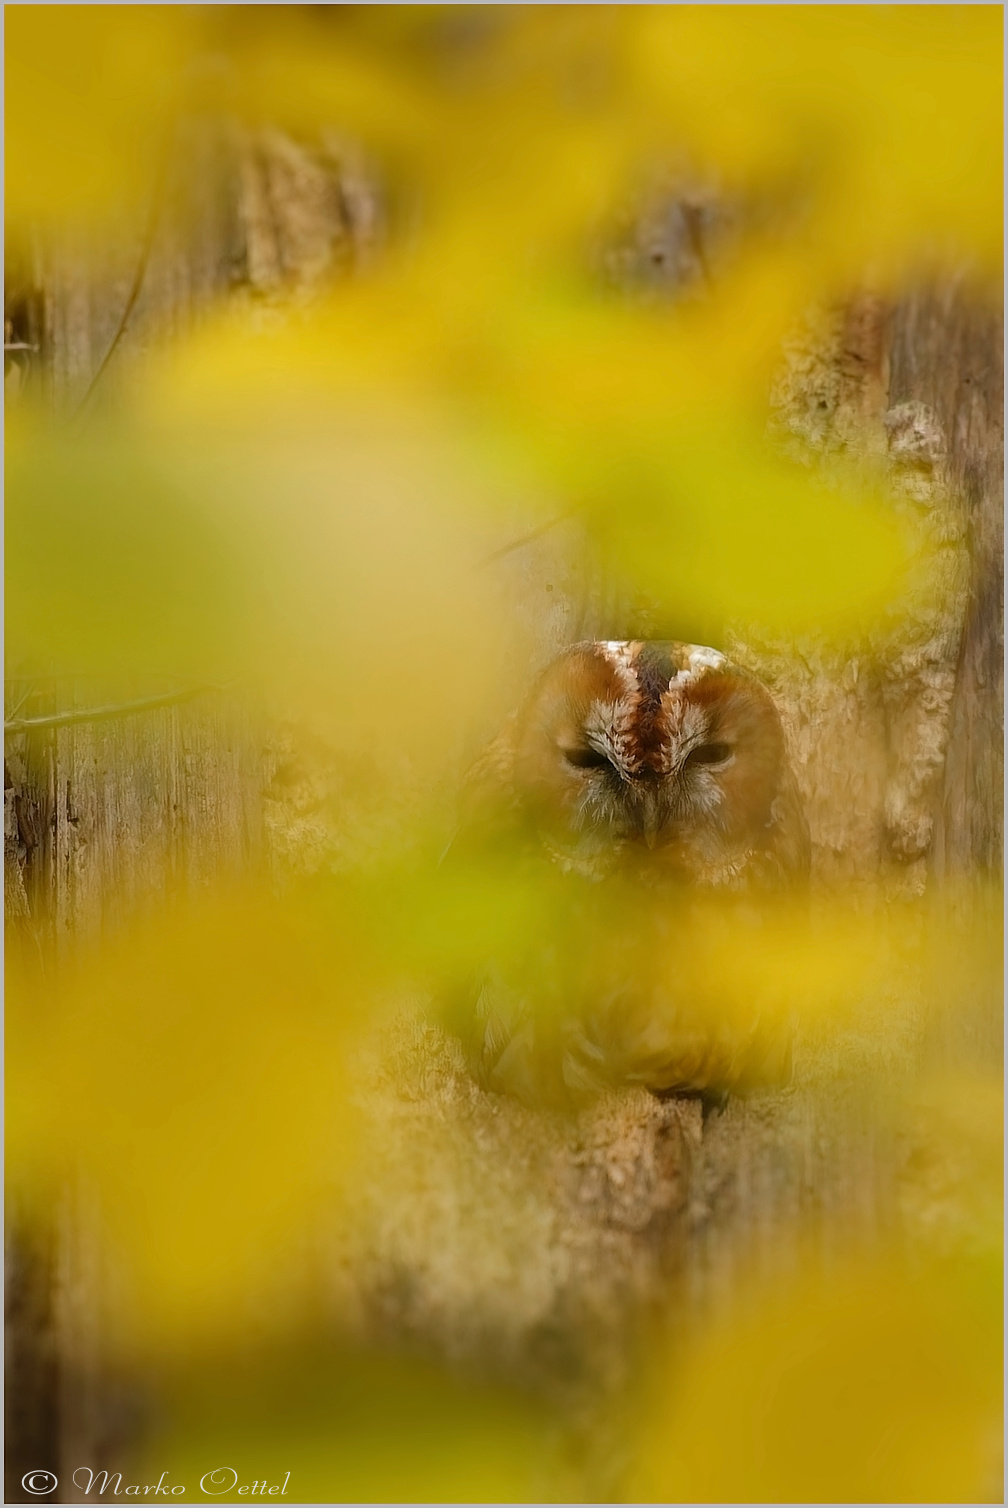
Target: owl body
{"x": 649, "y": 783}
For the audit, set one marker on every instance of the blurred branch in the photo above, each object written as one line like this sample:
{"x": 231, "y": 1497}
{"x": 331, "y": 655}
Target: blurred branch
{"x": 17, "y": 707}
{"x": 110, "y": 710}
{"x": 524, "y": 539}
{"x": 146, "y": 245}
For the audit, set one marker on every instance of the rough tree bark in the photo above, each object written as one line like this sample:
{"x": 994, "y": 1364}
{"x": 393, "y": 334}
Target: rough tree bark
{"x": 947, "y": 353}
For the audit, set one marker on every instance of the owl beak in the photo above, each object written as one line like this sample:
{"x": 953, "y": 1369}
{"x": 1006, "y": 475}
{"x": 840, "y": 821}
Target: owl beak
{"x": 652, "y": 825}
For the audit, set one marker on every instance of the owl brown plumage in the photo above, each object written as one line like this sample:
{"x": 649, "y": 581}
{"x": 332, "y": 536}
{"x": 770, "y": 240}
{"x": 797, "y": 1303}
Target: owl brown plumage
{"x": 654, "y": 777}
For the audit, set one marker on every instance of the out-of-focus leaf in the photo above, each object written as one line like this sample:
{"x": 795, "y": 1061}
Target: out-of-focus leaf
{"x": 886, "y": 127}
{"x": 876, "y": 1383}
{"x": 112, "y": 567}
{"x": 192, "y": 1081}
{"x": 90, "y": 92}
{"x": 353, "y": 1426}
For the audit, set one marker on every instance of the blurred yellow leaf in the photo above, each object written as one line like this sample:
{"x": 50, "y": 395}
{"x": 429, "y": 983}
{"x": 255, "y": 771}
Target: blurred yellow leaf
{"x": 90, "y": 93}
{"x": 192, "y": 1081}
{"x": 351, "y": 1425}
{"x": 874, "y": 1383}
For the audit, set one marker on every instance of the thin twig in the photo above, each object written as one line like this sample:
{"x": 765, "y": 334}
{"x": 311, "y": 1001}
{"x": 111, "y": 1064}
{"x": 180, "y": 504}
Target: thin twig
{"x": 524, "y": 539}
{"x": 16, "y": 709}
{"x": 138, "y": 280}
{"x": 110, "y": 710}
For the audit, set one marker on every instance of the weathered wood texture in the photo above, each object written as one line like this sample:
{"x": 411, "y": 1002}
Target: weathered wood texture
{"x": 898, "y": 749}
{"x": 102, "y": 822}
{"x": 947, "y": 353}
{"x": 109, "y": 816}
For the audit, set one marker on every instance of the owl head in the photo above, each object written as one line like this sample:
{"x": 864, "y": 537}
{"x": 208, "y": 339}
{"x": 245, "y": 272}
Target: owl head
{"x": 657, "y": 759}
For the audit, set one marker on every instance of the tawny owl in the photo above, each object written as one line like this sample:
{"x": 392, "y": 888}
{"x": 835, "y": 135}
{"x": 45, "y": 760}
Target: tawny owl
{"x": 647, "y": 787}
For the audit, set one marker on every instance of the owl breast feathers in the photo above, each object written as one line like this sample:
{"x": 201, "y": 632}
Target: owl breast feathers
{"x": 654, "y": 771}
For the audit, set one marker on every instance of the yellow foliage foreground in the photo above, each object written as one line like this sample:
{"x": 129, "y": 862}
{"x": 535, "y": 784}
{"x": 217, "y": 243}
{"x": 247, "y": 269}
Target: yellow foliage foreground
{"x": 197, "y": 1088}
{"x": 878, "y": 1382}
{"x": 308, "y": 509}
